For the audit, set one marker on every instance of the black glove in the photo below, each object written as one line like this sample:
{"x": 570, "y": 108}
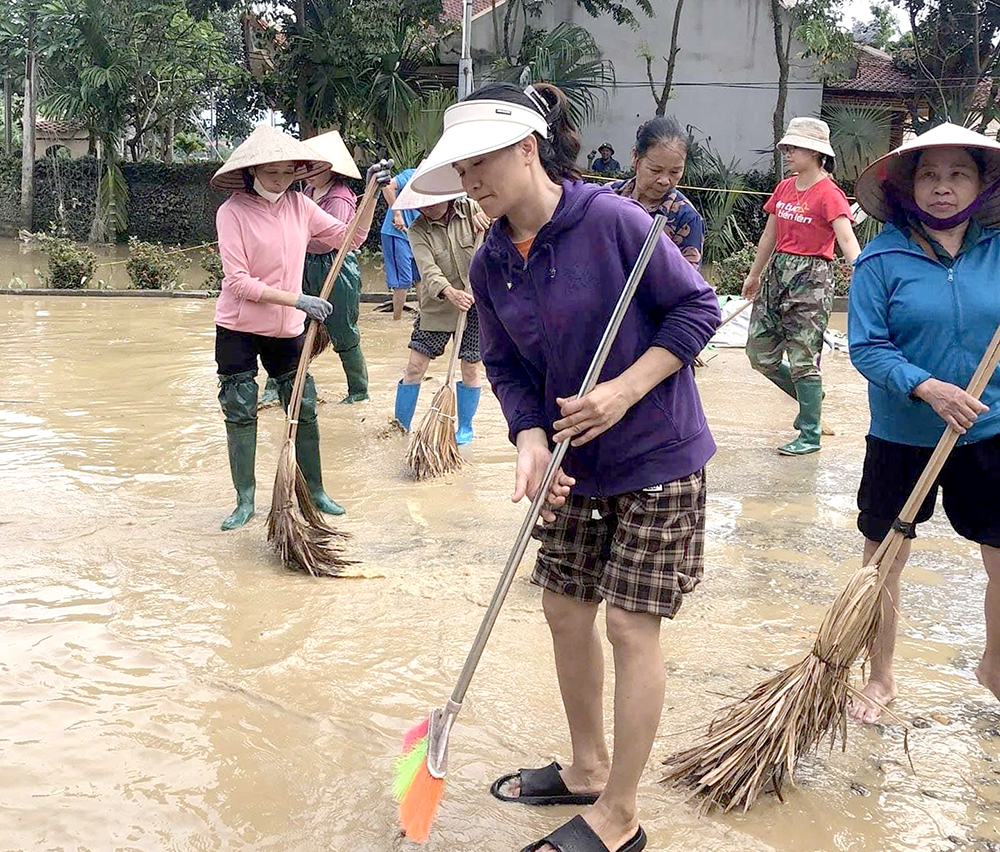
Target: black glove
{"x": 317, "y": 308}
{"x": 380, "y": 171}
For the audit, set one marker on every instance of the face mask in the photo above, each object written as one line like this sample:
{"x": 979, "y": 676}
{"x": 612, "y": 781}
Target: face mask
{"x": 263, "y": 193}
{"x": 933, "y": 222}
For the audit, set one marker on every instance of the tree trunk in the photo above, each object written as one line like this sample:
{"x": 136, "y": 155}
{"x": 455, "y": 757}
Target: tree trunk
{"x": 306, "y": 128}
{"x": 167, "y": 146}
{"x": 661, "y": 104}
{"x": 8, "y": 116}
{"x": 781, "y": 50}
{"x": 28, "y": 133}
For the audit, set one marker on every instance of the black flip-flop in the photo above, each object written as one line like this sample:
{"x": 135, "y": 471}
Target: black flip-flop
{"x": 578, "y": 836}
{"x": 541, "y": 787}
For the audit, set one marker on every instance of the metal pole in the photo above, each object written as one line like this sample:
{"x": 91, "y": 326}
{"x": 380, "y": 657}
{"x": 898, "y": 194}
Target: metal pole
{"x": 465, "y": 84}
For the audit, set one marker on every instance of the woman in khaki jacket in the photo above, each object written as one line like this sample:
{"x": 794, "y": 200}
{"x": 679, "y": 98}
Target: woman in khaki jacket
{"x": 443, "y": 239}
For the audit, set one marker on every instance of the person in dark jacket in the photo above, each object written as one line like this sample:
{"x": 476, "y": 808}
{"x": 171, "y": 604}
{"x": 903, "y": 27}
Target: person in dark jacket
{"x": 624, "y": 521}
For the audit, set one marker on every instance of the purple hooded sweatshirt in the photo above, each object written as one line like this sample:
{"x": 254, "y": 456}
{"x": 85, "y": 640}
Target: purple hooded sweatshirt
{"x": 541, "y": 321}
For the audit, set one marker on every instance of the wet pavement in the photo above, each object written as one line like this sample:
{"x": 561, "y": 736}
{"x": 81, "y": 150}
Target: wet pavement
{"x": 167, "y": 686}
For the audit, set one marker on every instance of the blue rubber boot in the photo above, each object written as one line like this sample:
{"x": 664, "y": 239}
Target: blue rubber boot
{"x": 406, "y": 403}
{"x": 467, "y": 401}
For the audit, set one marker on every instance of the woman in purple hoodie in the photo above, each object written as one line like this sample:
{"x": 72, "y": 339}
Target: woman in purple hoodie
{"x": 624, "y": 522}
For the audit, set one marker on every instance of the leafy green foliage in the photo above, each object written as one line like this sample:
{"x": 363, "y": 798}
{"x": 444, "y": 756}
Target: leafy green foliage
{"x": 956, "y": 46}
{"x": 729, "y": 273}
{"x": 859, "y": 135}
{"x": 211, "y": 262}
{"x": 150, "y": 266}
{"x": 112, "y": 203}
{"x": 569, "y": 57}
{"x": 71, "y": 264}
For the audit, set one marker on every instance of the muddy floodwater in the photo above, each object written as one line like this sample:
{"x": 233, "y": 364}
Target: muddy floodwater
{"x": 167, "y": 686}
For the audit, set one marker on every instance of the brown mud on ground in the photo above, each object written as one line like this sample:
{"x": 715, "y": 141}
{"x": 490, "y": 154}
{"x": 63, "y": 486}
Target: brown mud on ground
{"x": 166, "y": 686}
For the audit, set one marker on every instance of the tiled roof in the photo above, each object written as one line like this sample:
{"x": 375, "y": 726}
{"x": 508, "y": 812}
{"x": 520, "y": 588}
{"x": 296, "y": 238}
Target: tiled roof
{"x": 59, "y": 128}
{"x": 876, "y": 73}
{"x": 453, "y": 8}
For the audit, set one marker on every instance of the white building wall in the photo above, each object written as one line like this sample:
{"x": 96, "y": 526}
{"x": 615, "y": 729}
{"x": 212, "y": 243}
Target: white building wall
{"x": 725, "y": 81}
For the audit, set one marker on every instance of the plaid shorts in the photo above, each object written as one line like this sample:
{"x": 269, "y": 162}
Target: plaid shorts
{"x": 640, "y": 551}
{"x": 432, "y": 343}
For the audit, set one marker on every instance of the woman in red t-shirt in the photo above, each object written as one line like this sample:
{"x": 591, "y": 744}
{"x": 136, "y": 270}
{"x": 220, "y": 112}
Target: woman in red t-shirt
{"x": 807, "y": 213}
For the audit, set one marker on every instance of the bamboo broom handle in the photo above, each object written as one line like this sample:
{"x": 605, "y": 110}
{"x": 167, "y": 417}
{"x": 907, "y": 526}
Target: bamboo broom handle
{"x": 459, "y": 331}
{"x": 980, "y": 379}
{"x": 292, "y": 415}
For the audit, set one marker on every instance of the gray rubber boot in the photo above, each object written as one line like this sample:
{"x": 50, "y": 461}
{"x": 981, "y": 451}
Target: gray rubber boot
{"x": 238, "y": 398}
{"x": 307, "y": 442}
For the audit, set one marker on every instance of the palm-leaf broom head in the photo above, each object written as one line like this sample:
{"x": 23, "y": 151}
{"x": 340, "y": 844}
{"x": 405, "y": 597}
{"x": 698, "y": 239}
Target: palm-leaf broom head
{"x": 433, "y": 450}
{"x": 300, "y": 534}
{"x": 754, "y": 745}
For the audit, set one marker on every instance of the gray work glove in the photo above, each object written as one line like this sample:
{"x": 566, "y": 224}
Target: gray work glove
{"x": 381, "y": 171}
{"x": 317, "y": 308}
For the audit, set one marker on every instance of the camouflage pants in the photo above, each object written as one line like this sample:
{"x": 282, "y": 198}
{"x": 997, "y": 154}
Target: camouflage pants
{"x": 790, "y": 316}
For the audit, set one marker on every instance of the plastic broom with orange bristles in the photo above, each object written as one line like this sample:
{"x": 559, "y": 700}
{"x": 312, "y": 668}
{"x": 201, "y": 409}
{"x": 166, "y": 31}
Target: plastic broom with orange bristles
{"x": 420, "y": 770}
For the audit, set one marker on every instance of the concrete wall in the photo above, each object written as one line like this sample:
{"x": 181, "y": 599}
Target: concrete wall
{"x": 725, "y": 82}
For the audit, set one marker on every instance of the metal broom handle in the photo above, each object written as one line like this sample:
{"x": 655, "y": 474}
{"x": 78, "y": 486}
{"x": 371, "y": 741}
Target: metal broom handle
{"x": 589, "y": 380}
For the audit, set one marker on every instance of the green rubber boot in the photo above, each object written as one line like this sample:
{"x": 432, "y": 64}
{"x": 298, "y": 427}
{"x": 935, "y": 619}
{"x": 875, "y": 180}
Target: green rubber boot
{"x": 238, "y": 398}
{"x": 269, "y": 398}
{"x": 810, "y": 396}
{"x": 307, "y": 442}
{"x": 356, "y": 370}
{"x": 782, "y": 377}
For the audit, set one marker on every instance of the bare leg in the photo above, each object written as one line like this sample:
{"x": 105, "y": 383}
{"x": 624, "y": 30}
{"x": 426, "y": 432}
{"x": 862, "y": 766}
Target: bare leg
{"x": 639, "y": 688}
{"x": 415, "y": 368}
{"x": 988, "y": 670}
{"x": 470, "y": 374}
{"x": 398, "y": 300}
{"x": 580, "y": 669}
{"x": 881, "y": 686}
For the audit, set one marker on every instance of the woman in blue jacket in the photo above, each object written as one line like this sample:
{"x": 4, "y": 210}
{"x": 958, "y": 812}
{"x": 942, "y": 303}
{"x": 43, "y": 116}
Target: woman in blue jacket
{"x": 624, "y": 522}
{"x": 925, "y": 302}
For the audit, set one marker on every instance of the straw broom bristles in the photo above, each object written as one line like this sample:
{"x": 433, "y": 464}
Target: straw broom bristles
{"x": 755, "y": 745}
{"x": 433, "y": 450}
{"x": 302, "y": 539}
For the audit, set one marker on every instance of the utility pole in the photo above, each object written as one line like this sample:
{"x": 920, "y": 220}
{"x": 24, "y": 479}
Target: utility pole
{"x": 28, "y": 130}
{"x": 465, "y": 84}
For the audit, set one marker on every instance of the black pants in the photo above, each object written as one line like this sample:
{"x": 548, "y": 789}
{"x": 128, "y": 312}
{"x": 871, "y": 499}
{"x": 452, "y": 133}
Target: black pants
{"x": 237, "y": 352}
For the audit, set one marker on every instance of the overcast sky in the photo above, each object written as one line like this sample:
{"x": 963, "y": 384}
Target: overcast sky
{"x": 861, "y": 10}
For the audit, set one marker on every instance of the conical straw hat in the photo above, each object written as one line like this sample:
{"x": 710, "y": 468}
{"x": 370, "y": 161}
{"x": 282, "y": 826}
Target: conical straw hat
{"x": 267, "y": 145}
{"x": 896, "y": 169}
{"x": 410, "y": 199}
{"x": 330, "y": 147}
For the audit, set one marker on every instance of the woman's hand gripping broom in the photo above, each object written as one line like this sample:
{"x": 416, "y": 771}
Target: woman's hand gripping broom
{"x": 433, "y": 450}
{"x": 755, "y": 744}
{"x": 420, "y": 770}
{"x": 301, "y": 536}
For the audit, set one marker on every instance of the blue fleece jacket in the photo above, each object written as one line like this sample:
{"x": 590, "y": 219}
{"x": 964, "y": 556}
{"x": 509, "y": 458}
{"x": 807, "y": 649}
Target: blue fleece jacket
{"x": 541, "y": 321}
{"x": 911, "y": 318}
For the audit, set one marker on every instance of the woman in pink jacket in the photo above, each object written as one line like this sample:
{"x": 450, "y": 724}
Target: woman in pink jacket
{"x": 263, "y": 235}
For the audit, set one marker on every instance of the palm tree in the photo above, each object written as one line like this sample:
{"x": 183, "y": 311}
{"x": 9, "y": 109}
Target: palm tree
{"x": 859, "y": 135}
{"x": 569, "y": 57}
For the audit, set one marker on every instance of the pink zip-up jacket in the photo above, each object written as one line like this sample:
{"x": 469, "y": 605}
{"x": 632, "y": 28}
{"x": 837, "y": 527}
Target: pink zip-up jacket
{"x": 260, "y": 244}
